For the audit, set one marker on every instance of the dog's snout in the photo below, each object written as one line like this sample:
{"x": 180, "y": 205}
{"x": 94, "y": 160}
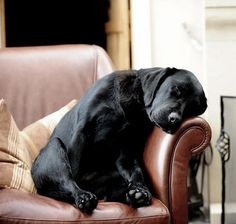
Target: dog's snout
{"x": 173, "y": 118}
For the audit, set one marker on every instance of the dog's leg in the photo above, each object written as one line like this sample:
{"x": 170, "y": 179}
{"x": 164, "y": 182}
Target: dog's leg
{"x": 52, "y": 176}
{"x": 137, "y": 193}
{"x": 116, "y": 188}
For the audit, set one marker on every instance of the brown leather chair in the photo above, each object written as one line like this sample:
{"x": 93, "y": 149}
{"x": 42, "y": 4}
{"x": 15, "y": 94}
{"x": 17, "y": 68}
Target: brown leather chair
{"x": 36, "y": 81}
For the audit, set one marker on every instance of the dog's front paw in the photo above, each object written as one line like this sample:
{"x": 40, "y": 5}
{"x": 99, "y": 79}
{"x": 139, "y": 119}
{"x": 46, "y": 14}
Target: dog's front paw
{"x": 138, "y": 195}
{"x": 86, "y": 201}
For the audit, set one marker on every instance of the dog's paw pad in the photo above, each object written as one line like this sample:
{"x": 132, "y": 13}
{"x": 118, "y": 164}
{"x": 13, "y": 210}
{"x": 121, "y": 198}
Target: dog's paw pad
{"x": 138, "y": 196}
{"x": 86, "y": 202}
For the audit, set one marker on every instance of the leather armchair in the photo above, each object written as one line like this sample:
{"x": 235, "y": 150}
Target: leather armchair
{"x": 36, "y": 81}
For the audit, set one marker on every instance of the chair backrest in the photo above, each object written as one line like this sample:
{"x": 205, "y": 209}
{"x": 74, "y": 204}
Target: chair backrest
{"x": 36, "y": 81}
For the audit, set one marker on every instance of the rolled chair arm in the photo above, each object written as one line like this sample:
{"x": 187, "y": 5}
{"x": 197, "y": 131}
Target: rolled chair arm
{"x": 166, "y": 158}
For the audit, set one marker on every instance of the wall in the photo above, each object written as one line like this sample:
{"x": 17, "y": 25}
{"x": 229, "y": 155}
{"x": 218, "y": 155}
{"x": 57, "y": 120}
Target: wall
{"x": 178, "y": 34}
{"x": 168, "y": 33}
{"x": 141, "y": 46}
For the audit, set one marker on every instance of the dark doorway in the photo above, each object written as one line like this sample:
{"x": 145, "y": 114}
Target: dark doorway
{"x": 50, "y": 22}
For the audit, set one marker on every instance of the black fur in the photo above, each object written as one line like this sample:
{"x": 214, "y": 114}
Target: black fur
{"x": 96, "y": 149}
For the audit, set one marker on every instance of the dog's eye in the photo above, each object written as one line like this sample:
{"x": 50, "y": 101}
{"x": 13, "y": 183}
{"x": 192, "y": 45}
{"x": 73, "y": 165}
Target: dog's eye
{"x": 175, "y": 91}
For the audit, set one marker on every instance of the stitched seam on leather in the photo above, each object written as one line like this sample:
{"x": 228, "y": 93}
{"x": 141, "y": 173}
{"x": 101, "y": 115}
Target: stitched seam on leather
{"x": 167, "y": 210}
{"x": 83, "y": 220}
{"x": 201, "y": 127}
{"x": 207, "y": 135}
{"x": 95, "y": 75}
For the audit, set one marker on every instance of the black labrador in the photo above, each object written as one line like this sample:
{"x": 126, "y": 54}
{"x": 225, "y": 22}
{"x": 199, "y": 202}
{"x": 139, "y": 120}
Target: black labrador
{"x": 96, "y": 149}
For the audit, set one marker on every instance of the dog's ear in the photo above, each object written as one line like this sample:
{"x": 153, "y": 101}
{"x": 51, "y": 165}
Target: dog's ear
{"x": 151, "y": 80}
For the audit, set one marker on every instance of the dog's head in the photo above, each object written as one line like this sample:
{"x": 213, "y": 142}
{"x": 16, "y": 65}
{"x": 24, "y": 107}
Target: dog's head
{"x": 170, "y": 95}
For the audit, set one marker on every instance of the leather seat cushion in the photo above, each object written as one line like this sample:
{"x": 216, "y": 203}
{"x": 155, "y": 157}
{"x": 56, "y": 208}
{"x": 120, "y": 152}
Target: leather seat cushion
{"x": 21, "y": 207}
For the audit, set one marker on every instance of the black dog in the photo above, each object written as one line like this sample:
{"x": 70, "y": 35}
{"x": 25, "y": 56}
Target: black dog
{"x": 97, "y": 146}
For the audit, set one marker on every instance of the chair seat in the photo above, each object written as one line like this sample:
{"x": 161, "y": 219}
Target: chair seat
{"x": 21, "y": 207}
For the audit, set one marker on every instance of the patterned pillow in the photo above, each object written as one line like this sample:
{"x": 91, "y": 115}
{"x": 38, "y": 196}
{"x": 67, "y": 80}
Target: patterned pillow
{"x": 18, "y": 149}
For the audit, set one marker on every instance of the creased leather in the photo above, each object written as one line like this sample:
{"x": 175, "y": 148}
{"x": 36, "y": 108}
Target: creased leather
{"x": 36, "y": 81}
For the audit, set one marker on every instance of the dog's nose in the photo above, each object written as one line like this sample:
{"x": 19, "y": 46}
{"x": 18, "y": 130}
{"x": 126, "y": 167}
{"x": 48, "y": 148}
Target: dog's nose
{"x": 173, "y": 118}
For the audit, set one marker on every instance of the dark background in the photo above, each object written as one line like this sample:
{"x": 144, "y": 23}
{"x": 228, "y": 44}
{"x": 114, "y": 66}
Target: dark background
{"x": 49, "y": 22}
